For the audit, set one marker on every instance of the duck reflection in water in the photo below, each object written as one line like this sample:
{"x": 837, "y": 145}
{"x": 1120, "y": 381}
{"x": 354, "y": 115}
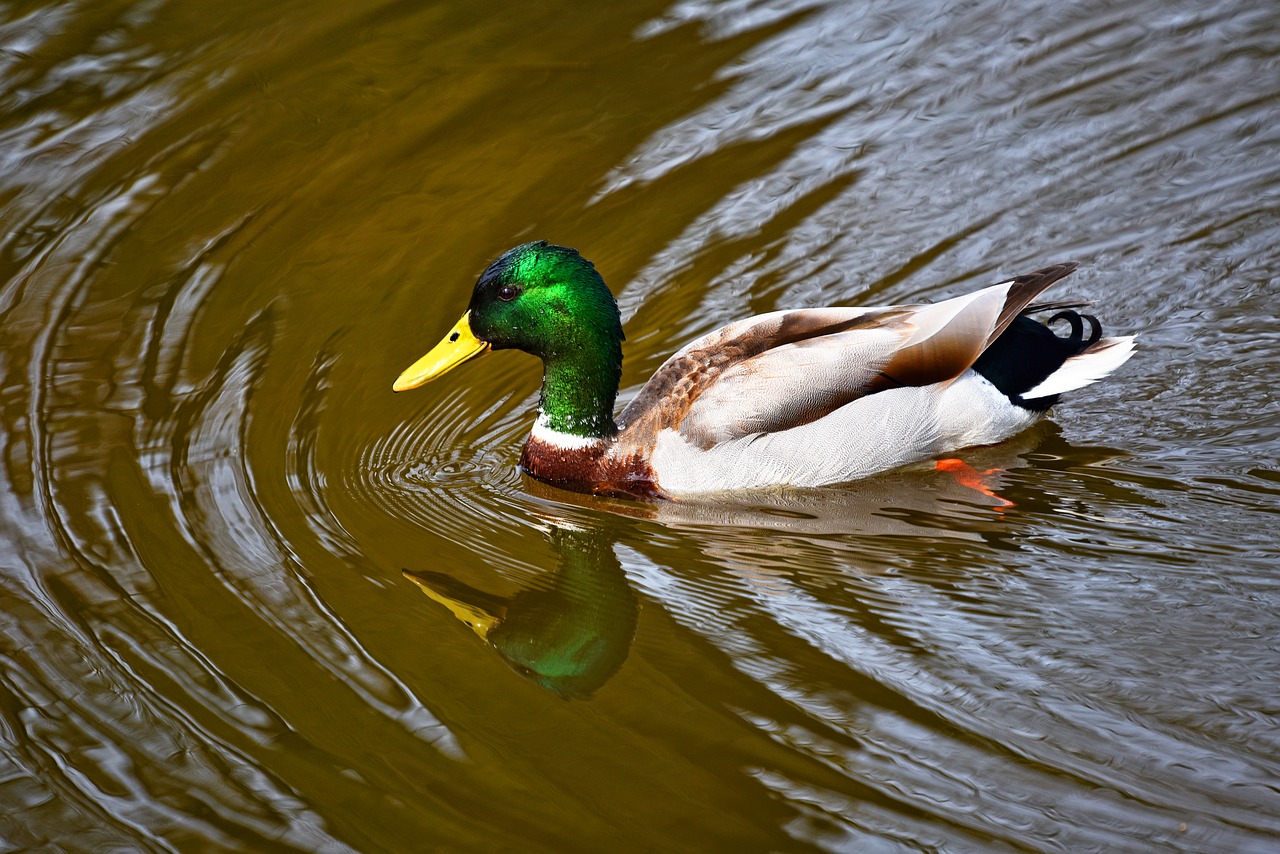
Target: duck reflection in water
{"x": 570, "y": 638}
{"x": 573, "y": 636}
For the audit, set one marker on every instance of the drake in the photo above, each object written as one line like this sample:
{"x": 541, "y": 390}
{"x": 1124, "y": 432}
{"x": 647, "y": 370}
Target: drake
{"x": 802, "y": 398}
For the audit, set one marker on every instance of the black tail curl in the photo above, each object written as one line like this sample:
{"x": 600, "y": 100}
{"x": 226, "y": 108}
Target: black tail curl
{"x": 1077, "y": 321}
{"x": 1028, "y": 351}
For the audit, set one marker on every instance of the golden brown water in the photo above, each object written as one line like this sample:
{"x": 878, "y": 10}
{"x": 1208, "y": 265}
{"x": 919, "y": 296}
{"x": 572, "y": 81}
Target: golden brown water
{"x": 228, "y": 226}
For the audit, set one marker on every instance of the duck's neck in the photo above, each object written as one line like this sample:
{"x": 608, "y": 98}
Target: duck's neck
{"x": 579, "y": 388}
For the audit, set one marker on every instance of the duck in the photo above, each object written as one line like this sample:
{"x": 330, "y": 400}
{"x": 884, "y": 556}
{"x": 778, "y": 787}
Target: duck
{"x": 795, "y": 398}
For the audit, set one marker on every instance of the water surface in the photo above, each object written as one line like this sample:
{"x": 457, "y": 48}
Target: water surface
{"x": 227, "y": 227}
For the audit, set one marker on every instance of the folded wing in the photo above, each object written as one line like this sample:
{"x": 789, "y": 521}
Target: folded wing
{"x": 784, "y": 369}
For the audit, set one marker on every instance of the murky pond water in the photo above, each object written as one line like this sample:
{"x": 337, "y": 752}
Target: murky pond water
{"x": 254, "y": 600}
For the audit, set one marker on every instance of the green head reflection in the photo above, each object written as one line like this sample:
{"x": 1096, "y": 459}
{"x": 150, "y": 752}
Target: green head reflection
{"x": 570, "y": 638}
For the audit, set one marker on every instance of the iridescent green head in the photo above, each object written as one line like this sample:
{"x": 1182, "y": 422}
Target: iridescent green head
{"x": 549, "y": 301}
{"x": 546, "y": 300}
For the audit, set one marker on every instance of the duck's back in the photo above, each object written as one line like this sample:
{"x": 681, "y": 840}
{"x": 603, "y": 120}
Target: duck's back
{"x": 818, "y": 396}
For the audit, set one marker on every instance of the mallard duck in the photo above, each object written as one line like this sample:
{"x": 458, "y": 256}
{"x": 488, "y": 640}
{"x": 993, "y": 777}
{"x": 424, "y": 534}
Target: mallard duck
{"x": 804, "y": 397}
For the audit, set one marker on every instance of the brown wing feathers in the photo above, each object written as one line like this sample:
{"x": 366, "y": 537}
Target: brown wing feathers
{"x": 943, "y": 355}
{"x": 953, "y": 348}
{"x": 1026, "y": 288}
{"x": 666, "y": 397}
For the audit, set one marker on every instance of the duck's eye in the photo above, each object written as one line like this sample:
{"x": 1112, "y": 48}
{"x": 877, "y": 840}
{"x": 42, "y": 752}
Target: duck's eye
{"x": 507, "y": 293}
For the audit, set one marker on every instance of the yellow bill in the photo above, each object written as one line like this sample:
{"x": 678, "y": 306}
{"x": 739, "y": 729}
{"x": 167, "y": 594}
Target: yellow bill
{"x": 457, "y": 347}
{"x": 479, "y": 620}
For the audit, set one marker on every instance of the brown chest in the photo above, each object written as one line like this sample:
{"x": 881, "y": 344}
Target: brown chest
{"x": 598, "y": 470}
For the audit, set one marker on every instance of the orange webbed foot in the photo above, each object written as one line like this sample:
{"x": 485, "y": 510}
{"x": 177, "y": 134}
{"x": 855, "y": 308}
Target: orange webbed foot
{"x": 967, "y": 476}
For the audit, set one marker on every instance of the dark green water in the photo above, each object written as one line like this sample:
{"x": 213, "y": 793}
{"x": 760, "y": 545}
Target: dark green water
{"x": 226, "y": 227}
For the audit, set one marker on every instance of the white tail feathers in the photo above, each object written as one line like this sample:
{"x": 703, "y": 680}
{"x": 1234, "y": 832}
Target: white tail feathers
{"x": 1084, "y": 368}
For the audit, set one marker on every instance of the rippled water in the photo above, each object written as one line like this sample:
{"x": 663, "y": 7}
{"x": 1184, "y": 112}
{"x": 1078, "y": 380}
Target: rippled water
{"x": 228, "y": 226}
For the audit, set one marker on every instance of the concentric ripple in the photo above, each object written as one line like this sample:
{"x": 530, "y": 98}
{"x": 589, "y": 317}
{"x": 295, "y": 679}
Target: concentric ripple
{"x": 451, "y": 472}
{"x": 227, "y": 226}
